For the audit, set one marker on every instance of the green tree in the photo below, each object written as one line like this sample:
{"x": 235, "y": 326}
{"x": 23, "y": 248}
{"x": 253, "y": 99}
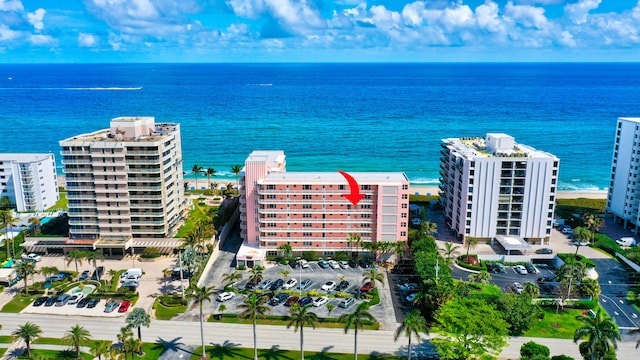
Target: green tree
{"x": 601, "y": 334}
{"x": 519, "y": 311}
{"x": 230, "y": 278}
{"x": 373, "y": 276}
{"x": 330, "y": 307}
{"x": 256, "y": 275}
{"x": 449, "y": 251}
{"x": 36, "y": 223}
{"x": 49, "y": 270}
{"x": 137, "y": 319}
{"x": 285, "y": 249}
{"x": 9, "y": 221}
{"x": 76, "y": 337}
{"x": 199, "y": 295}
{"x": 580, "y": 235}
{"x": 25, "y": 269}
{"x": 531, "y": 289}
{"x": 429, "y": 228}
{"x": 413, "y": 324}
{"x": 285, "y": 274}
{"x": 562, "y": 357}
{"x": 28, "y": 332}
{"x": 534, "y": 351}
{"x": 482, "y": 277}
{"x": 354, "y": 239}
{"x": 470, "y": 327}
{"x": 470, "y": 243}
{"x": 299, "y": 317}
{"x": 75, "y": 256}
{"x": 357, "y": 320}
{"x": 593, "y": 223}
{"x": 93, "y": 257}
{"x": 210, "y": 172}
{"x": 131, "y": 346}
{"x": 253, "y": 307}
{"x": 236, "y": 170}
{"x": 100, "y": 349}
{"x": 124, "y": 334}
{"x": 589, "y": 287}
{"x": 196, "y": 170}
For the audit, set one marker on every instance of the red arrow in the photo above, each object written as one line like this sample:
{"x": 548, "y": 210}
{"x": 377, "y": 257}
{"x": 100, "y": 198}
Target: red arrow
{"x": 355, "y": 195}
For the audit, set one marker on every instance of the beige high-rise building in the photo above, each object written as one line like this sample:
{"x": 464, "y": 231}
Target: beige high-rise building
{"x": 125, "y": 185}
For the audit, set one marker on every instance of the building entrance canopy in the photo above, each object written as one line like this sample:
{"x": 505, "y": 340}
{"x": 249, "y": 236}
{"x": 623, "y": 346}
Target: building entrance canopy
{"x": 250, "y": 256}
{"x": 511, "y": 242}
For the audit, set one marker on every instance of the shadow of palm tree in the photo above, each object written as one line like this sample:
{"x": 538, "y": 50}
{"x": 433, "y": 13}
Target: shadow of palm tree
{"x": 378, "y": 356}
{"x": 322, "y": 355}
{"x": 226, "y": 349}
{"x": 273, "y": 353}
{"x": 173, "y": 345}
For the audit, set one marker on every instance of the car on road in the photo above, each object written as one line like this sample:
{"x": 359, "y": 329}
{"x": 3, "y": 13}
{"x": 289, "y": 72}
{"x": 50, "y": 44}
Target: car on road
{"x": 329, "y": 285}
{"x": 343, "y": 264}
{"x": 320, "y": 301}
{"x": 50, "y": 301}
{"x": 226, "y": 296}
{"x": 517, "y": 288}
{"x": 544, "y": 251}
{"x": 323, "y": 264}
{"x": 345, "y": 303}
{"x": 531, "y": 269}
{"x": 74, "y": 298}
{"x": 124, "y": 306}
{"x": 62, "y": 300}
{"x": 92, "y": 302}
{"x": 276, "y": 285}
{"x": 290, "y": 284}
{"x": 546, "y": 279}
{"x": 305, "y": 284}
{"x": 83, "y": 302}
{"x": 306, "y": 301}
{"x": 31, "y": 257}
{"x": 265, "y": 284}
{"x": 342, "y": 285}
{"x": 412, "y": 297}
{"x": 111, "y": 305}
{"x": 291, "y": 300}
{"x": 334, "y": 264}
{"x": 521, "y": 269}
{"x": 85, "y": 275}
{"x": 41, "y": 300}
{"x": 408, "y": 286}
{"x": 278, "y": 299}
{"x": 366, "y": 287}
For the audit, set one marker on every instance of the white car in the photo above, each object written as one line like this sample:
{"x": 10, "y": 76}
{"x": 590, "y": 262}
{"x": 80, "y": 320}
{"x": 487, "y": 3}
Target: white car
{"x": 290, "y": 284}
{"x": 320, "y": 301}
{"x": 226, "y": 296}
{"x": 303, "y": 263}
{"x": 521, "y": 270}
{"x": 344, "y": 264}
{"x": 334, "y": 264}
{"x": 329, "y": 285}
{"x": 518, "y": 288}
{"x": 32, "y": 257}
{"x": 73, "y": 299}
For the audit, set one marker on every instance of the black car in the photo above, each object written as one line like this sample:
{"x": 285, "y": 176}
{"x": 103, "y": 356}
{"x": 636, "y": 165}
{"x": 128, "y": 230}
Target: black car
{"x": 353, "y": 263}
{"x": 249, "y": 285}
{"x": 50, "y": 301}
{"x": 276, "y": 285}
{"x": 305, "y": 301}
{"x": 546, "y": 279}
{"x": 97, "y": 274}
{"x": 83, "y": 302}
{"x": 293, "y": 263}
{"x": 278, "y": 299}
{"x": 41, "y": 300}
{"x": 92, "y": 302}
{"x": 365, "y": 263}
{"x": 342, "y": 286}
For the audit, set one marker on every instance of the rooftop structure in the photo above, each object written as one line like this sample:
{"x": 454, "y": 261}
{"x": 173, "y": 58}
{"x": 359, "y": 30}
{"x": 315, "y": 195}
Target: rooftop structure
{"x": 29, "y": 181}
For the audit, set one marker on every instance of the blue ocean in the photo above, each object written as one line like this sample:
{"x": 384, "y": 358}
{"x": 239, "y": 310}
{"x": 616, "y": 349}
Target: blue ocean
{"x": 352, "y": 117}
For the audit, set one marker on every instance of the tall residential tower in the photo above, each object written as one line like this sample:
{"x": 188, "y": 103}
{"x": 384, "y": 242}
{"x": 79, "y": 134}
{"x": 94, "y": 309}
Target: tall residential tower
{"x": 29, "y": 181}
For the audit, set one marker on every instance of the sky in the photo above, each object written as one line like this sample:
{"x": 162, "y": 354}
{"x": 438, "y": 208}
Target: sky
{"x": 160, "y": 31}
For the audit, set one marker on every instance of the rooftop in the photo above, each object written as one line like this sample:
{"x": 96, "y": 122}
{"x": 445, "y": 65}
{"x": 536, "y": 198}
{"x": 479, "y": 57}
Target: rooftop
{"x": 25, "y": 157}
{"x": 494, "y": 145}
{"x": 335, "y": 177}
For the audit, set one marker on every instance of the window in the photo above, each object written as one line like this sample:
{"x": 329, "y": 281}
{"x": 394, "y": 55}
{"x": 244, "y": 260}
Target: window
{"x": 271, "y": 187}
{"x": 404, "y": 215}
{"x": 306, "y": 216}
{"x": 405, "y": 187}
{"x": 306, "y": 225}
{"x": 306, "y": 234}
{"x": 404, "y": 206}
{"x": 366, "y": 216}
{"x": 306, "y": 197}
{"x": 365, "y": 187}
{"x": 306, "y": 187}
{"x": 306, "y": 206}
{"x": 404, "y": 224}
{"x": 403, "y": 233}
{"x": 306, "y": 243}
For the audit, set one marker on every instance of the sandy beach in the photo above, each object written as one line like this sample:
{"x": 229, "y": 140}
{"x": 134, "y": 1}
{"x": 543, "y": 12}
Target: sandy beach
{"x": 433, "y": 190}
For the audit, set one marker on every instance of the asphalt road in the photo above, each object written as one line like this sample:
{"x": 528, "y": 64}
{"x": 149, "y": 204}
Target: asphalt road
{"x": 615, "y": 282}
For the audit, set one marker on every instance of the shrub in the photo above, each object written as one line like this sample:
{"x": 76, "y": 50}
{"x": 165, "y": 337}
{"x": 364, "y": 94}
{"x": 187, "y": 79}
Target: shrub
{"x": 242, "y": 267}
{"x": 607, "y": 244}
{"x": 534, "y": 351}
{"x": 310, "y": 255}
{"x": 562, "y": 357}
{"x": 583, "y": 304}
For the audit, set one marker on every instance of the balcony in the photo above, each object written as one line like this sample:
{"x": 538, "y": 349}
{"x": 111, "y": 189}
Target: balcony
{"x": 71, "y": 196}
{"x": 147, "y": 205}
{"x": 77, "y": 161}
{"x": 148, "y": 231}
{"x": 264, "y": 211}
{"x": 144, "y": 153}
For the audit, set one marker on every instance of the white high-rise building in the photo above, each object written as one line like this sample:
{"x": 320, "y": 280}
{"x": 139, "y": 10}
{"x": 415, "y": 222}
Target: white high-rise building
{"x": 623, "y": 200}
{"x": 125, "y": 184}
{"x": 494, "y": 188}
{"x": 29, "y": 181}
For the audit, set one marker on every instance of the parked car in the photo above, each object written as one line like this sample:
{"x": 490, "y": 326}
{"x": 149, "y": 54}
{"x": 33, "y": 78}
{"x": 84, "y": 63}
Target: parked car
{"x": 92, "y": 302}
{"x": 226, "y": 296}
{"x": 320, "y": 301}
{"x": 303, "y": 263}
{"x": 334, "y": 264}
{"x": 97, "y": 273}
{"x": 278, "y": 299}
{"x": 517, "y": 288}
{"x": 41, "y": 300}
{"x": 353, "y": 263}
{"x": 50, "y": 301}
{"x": 54, "y": 278}
{"x": 290, "y": 284}
{"x": 266, "y": 283}
{"x": 73, "y": 299}
{"x": 521, "y": 269}
{"x": 408, "y": 286}
{"x": 411, "y": 297}
{"x": 83, "y": 302}
{"x": 366, "y": 287}
{"x": 111, "y": 305}
{"x": 364, "y": 263}
{"x": 85, "y": 274}
{"x": 343, "y": 264}
{"x": 305, "y": 284}
{"x": 124, "y": 306}
{"x": 276, "y": 285}
{"x": 306, "y": 301}
{"x": 329, "y": 285}
{"x": 416, "y": 222}
{"x": 342, "y": 286}
{"x": 531, "y": 269}
{"x": 249, "y": 285}
{"x": 62, "y": 300}
{"x": 546, "y": 279}
{"x": 31, "y": 257}
{"x": 566, "y": 229}
{"x": 323, "y": 264}
{"x": 544, "y": 251}
{"x": 291, "y": 300}
{"x": 345, "y": 303}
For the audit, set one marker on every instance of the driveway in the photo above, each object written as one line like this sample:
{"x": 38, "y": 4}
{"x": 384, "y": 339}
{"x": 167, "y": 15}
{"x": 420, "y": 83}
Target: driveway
{"x": 615, "y": 282}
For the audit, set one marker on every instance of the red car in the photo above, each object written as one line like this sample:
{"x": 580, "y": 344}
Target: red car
{"x": 290, "y": 301}
{"x": 124, "y": 306}
{"x": 367, "y": 286}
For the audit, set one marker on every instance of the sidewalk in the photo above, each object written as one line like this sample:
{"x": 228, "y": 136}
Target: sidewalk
{"x": 18, "y": 348}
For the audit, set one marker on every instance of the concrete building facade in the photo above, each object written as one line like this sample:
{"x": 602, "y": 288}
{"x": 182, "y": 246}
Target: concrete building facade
{"x": 623, "y": 198}
{"x": 29, "y": 181}
{"x": 308, "y": 211}
{"x": 494, "y": 187}
{"x": 125, "y": 185}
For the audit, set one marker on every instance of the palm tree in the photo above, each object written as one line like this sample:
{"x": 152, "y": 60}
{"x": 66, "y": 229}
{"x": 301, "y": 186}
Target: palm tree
{"x": 429, "y": 228}
{"x": 580, "y": 235}
{"x": 299, "y": 317}
{"x": 357, "y": 320}
{"x": 36, "y": 223}
{"x": 210, "y": 172}
{"x": 236, "y": 169}
{"x": 131, "y": 346}
{"x": 76, "y": 257}
{"x": 330, "y": 308}
{"x": 257, "y": 275}
{"x": 93, "y": 257}
{"x": 471, "y": 243}
{"x": 373, "y": 275}
{"x": 590, "y": 287}
{"x": 285, "y": 274}
{"x": 124, "y": 334}
{"x": 449, "y": 250}
{"x": 285, "y": 249}
{"x": 24, "y": 269}
{"x": 138, "y": 318}
{"x": 100, "y": 349}
{"x": 9, "y": 221}
{"x": 601, "y": 332}
{"x": 76, "y": 336}
{"x": 532, "y": 289}
{"x": 230, "y": 278}
{"x": 49, "y": 270}
{"x": 254, "y": 306}
{"x": 28, "y": 332}
{"x": 199, "y": 295}
{"x": 195, "y": 171}
{"x": 353, "y": 239}
{"x": 593, "y": 223}
{"x": 413, "y": 324}
{"x": 482, "y": 277}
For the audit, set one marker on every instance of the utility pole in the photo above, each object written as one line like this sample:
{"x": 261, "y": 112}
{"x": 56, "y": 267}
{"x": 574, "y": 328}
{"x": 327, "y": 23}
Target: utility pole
{"x": 437, "y": 268}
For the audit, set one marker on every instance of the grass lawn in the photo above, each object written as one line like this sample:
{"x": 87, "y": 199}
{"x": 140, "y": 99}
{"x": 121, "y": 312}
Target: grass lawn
{"x": 198, "y": 213}
{"x": 56, "y": 354}
{"x": 280, "y": 322}
{"x": 6, "y": 339}
{"x": 18, "y": 303}
{"x": 560, "y": 326}
{"x": 228, "y": 351}
{"x": 166, "y": 313}
{"x": 62, "y": 203}
{"x": 2, "y": 351}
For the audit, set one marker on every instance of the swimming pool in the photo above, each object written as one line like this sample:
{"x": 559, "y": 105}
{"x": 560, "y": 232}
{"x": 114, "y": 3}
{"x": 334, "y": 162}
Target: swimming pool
{"x": 45, "y": 220}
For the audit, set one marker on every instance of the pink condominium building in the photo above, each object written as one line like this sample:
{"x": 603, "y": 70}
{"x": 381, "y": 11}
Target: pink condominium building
{"x": 308, "y": 210}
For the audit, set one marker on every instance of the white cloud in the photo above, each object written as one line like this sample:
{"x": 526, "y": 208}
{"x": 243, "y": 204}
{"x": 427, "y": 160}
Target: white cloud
{"x": 488, "y": 17}
{"x": 246, "y": 8}
{"x": 39, "y": 39}
{"x": 566, "y": 38}
{"x": 11, "y": 5}
{"x": 7, "y": 34}
{"x": 36, "y": 19}
{"x": 87, "y": 40}
{"x": 526, "y": 15}
{"x": 579, "y": 11}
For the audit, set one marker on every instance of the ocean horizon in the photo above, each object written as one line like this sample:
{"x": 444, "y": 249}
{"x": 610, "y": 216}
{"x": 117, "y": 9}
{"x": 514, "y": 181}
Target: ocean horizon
{"x": 326, "y": 117}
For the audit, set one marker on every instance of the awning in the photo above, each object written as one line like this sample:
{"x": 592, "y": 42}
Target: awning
{"x": 511, "y": 242}
{"x": 249, "y": 253}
